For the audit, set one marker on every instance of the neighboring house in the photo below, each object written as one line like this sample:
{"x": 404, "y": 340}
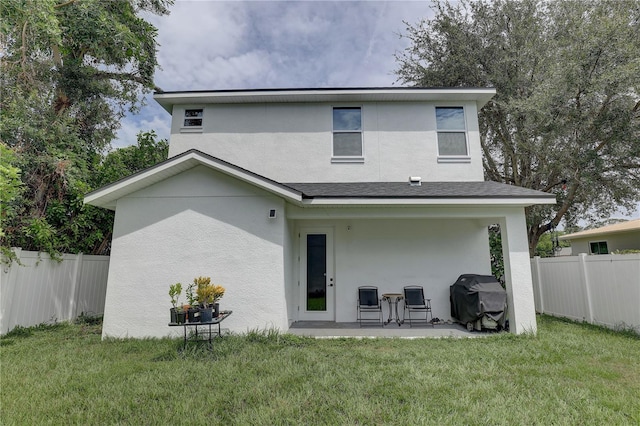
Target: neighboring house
{"x": 291, "y": 199}
{"x": 607, "y": 239}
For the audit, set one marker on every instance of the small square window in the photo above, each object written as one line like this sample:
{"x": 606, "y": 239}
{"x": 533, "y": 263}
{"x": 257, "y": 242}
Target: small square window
{"x": 599, "y": 247}
{"x": 347, "y": 132}
{"x": 452, "y": 132}
{"x": 193, "y": 117}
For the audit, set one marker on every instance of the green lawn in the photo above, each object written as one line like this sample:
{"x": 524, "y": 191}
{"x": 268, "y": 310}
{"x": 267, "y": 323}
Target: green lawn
{"x": 568, "y": 374}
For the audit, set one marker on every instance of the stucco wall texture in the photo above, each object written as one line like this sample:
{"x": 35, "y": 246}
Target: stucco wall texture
{"x": 197, "y": 223}
{"x": 293, "y": 142}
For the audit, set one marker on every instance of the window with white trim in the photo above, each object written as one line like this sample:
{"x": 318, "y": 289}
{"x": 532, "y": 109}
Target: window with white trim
{"x": 452, "y": 132}
{"x": 598, "y": 247}
{"x": 193, "y": 117}
{"x": 347, "y": 132}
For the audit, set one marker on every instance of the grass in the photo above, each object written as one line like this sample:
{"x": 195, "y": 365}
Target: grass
{"x": 568, "y": 374}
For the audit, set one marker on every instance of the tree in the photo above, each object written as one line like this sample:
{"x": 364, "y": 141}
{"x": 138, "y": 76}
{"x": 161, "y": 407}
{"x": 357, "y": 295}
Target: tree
{"x": 69, "y": 71}
{"x": 10, "y": 190}
{"x": 566, "y": 116}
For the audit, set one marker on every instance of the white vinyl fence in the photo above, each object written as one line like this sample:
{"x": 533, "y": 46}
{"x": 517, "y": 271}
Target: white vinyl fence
{"x": 602, "y": 289}
{"x": 45, "y": 290}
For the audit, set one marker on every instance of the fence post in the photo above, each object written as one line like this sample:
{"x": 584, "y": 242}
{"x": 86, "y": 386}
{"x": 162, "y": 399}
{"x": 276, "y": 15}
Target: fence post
{"x": 9, "y": 282}
{"x": 584, "y": 279}
{"x": 77, "y": 275}
{"x": 536, "y": 264}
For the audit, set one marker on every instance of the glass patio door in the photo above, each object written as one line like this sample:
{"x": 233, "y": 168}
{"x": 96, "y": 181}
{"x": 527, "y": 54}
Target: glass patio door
{"x": 317, "y": 290}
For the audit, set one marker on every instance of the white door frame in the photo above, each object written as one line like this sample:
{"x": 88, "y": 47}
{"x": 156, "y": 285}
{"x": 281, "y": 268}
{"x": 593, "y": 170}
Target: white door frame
{"x": 303, "y": 313}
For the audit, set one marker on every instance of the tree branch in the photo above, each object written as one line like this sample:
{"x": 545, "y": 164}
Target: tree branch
{"x": 24, "y": 45}
{"x": 127, "y": 76}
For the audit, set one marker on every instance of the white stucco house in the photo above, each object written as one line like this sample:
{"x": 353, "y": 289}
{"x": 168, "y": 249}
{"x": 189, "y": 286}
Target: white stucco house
{"x": 293, "y": 198}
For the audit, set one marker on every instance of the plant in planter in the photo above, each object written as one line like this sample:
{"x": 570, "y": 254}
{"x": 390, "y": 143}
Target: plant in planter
{"x": 205, "y": 292}
{"x": 193, "y": 311}
{"x": 177, "y": 313}
{"x": 218, "y": 292}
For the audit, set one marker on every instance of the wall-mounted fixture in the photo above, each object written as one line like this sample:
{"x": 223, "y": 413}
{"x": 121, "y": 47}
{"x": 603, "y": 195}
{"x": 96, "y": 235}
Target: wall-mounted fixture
{"x": 415, "y": 180}
{"x": 272, "y": 214}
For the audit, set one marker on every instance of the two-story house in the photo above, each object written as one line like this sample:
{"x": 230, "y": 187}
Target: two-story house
{"x": 291, "y": 199}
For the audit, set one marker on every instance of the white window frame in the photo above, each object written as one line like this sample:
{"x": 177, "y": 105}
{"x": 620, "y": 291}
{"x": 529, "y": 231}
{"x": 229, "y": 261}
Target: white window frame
{"x": 452, "y": 158}
{"x": 184, "y": 128}
{"x": 599, "y": 242}
{"x": 347, "y": 158}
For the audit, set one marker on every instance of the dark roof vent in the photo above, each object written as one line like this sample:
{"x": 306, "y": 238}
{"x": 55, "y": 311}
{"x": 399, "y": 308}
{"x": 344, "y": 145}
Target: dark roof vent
{"x": 415, "y": 180}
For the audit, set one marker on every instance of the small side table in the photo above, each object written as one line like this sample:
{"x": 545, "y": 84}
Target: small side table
{"x": 393, "y": 299}
{"x": 214, "y": 321}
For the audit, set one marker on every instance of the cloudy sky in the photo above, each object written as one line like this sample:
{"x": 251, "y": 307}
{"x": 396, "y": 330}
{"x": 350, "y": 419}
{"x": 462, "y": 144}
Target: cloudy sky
{"x": 212, "y": 45}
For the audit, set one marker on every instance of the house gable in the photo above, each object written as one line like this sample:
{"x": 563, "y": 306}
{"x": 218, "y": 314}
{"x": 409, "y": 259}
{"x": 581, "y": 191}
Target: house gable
{"x": 107, "y": 196}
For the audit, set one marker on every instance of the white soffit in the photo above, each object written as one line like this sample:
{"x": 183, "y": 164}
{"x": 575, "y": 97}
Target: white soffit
{"x": 476, "y": 202}
{"x": 480, "y": 95}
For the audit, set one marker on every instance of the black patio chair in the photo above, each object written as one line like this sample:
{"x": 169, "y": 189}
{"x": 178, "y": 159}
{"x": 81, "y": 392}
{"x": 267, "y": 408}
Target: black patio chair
{"x": 414, "y": 302}
{"x": 369, "y": 303}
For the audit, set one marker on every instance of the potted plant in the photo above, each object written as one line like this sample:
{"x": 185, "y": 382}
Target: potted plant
{"x": 177, "y": 313}
{"x": 205, "y": 292}
{"x": 193, "y": 311}
{"x": 218, "y": 292}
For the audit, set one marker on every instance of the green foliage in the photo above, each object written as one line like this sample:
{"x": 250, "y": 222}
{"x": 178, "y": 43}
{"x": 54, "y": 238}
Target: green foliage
{"x": 126, "y": 161}
{"x": 89, "y": 319}
{"x": 207, "y": 293}
{"x": 10, "y": 191}
{"x": 174, "y": 293}
{"x": 495, "y": 251}
{"x": 548, "y": 244}
{"x": 68, "y": 73}
{"x": 566, "y": 117}
{"x": 626, "y": 251}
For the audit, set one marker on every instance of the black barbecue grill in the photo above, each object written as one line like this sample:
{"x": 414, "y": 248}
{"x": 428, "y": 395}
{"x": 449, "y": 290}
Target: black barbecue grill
{"x": 479, "y": 302}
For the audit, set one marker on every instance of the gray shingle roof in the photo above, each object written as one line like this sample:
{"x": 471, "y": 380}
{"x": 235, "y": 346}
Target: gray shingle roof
{"x": 426, "y": 190}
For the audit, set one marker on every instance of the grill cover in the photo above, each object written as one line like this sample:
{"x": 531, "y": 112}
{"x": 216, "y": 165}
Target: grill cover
{"x": 474, "y": 296}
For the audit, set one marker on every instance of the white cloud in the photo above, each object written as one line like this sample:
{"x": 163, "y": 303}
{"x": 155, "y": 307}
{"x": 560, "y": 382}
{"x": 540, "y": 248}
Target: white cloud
{"x": 212, "y": 45}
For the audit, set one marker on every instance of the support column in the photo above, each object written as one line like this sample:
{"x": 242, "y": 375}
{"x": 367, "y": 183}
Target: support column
{"x": 517, "y": 268}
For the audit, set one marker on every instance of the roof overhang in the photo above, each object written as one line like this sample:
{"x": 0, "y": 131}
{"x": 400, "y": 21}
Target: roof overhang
{"x": 388, "y": 94}
{"x": 618, "y": 228}
{"x": 107, "y": 196}
{"x": 452, "y": 202}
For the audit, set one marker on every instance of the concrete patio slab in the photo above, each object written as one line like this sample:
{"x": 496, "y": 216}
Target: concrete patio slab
{"x": 329, "y": 329}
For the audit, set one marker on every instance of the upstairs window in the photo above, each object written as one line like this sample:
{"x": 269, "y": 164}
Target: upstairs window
{"x": 452, "y": 132}
{"x": 347, "y": 132}
{"x": 599, "y": 247}
{"x": 193, "y": 117}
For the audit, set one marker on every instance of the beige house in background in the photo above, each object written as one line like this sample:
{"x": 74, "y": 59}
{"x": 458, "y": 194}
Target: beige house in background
{"x": 607, "y": 239}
